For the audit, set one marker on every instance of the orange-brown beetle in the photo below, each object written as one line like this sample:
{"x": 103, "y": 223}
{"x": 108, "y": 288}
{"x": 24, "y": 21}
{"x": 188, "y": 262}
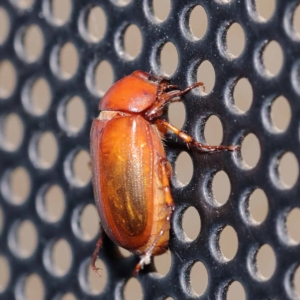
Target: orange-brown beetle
{"x": 130, "y": 171}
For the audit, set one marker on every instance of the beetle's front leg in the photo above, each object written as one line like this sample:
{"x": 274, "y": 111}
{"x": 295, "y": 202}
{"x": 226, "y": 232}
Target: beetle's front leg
{"x": 96, "y": 251}
{"x": 192, "y": 142}
{"x": 164, "y": 98}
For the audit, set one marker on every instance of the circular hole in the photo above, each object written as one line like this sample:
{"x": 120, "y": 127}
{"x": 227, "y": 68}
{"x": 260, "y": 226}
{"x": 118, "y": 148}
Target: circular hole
{"x": 250, "y": 150}
{"x": 61, "y": 257}
{"x": 296, "y": 20}
{"x": 280, "y": 113}
{"x": 161, "y": 9}
{"x": 4, "y": 25}
{"x": 176, "y": 114}
{"x": 75, "y": 114}
{"x": 198, "y": 22}
{"x": 258, "y": 206}
{"x": 272, "y": 58}
{"x": 104, "y": 77}
{"x": 53, "y": 202}
{"x": 296, "y": 281}
{"x": 184, "y": 168}
{"x": 7, "y": 79}
{"x": 12, "y": 132}
{"x": 206, "y": 74}
{"x": 68, "y": 296}
{"x": 60, "y": 11}
{"x": 121, "y": 2}
{"x": 265, "y": 8}
{"x": 198, "y": 271}
{"x": 24, "y": 239}
{"x": 168, "y": 59}
{"x": 89, "y": 281}
{"x": 293, "y": 225}
{"x": 96, "y": 24}
{"x": 89, "y": 222}
{"x": 288, "y": 170}
{"x": 228, "y": 242}
{"x": 265, "y": 262}
{"x": 34, "y": 288}
{"x": 1, "y": 220}
{"x": 81, "y": 168}
{"x": 23, "y": 4}
{"x": 235, "y": 39}
{"x": 213, "y": 131}
{"x": 132, "y": 41}
{"x": 4, "y": 274}
{"x": 191, "y": 223}
{"x": 221, "y": 187}
{"x": 163, "y": 263}
{"x": 33, "y": 43}
{"x": 243, "y": 94}
{"x": 17, "y": 186}
{"x": 68, "y": 61}
{"x": 235, "y": 291}
{"x": 46, "y": 150}
{"x": 40, "y": 97}
{"x": 133, "y": 290}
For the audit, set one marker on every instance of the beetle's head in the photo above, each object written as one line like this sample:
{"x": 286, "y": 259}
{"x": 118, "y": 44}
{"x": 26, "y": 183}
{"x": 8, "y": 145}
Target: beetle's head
{"x": 133, "y": 93}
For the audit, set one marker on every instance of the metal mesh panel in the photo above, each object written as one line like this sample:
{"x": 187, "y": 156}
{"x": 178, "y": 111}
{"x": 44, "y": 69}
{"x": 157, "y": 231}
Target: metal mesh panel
{"x": 46, "y": 119}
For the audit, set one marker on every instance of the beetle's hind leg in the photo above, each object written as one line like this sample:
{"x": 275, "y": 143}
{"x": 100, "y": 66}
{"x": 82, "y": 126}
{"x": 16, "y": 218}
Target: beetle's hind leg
{"x": 145, "y": 259}
{"x": 192, "y": 142}
{"x": 96, "y": 251}
{"x": 166, "y": 171}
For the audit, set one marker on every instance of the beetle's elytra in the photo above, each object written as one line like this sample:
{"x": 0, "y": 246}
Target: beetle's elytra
{"x": 130, "y": 171}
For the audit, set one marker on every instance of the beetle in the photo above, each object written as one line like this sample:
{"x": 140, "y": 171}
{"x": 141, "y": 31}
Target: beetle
{"x": 130, "y": 171}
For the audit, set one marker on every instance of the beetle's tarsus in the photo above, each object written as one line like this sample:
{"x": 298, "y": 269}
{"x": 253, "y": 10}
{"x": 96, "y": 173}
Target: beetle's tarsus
{"x": 145, "y": 260}
{"x": 137, "y": 268}
{"x": 96, "y": 271}
{"x": 191, "y": 87}
{"x": 210, "y": 149}
{"x": 96, "y": 251}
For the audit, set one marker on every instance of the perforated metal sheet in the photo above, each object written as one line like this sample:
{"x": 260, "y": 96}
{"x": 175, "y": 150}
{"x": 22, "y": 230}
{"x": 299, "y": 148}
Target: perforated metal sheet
{"x": 282, "y": 199}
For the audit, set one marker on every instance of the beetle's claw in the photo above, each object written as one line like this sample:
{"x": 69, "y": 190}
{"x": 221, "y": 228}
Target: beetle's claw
{"x": 135, "y": 272}
{"x": 137, "y": 269}
{"x": 96, "y": 271}
{"x": 202, "y": 86}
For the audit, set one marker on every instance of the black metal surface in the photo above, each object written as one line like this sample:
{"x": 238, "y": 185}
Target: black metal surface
{"x": 196, "y": 193}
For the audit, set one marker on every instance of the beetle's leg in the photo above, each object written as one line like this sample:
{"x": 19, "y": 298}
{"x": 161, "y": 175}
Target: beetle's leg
{"x": 145, "y": 259}
{"x": 166, "y": 171}
{"x": 164, "y": 98}
{"x": 164, "y": 86}
{"x": 96, "y": 251}
{"x": 192, "y": 142}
